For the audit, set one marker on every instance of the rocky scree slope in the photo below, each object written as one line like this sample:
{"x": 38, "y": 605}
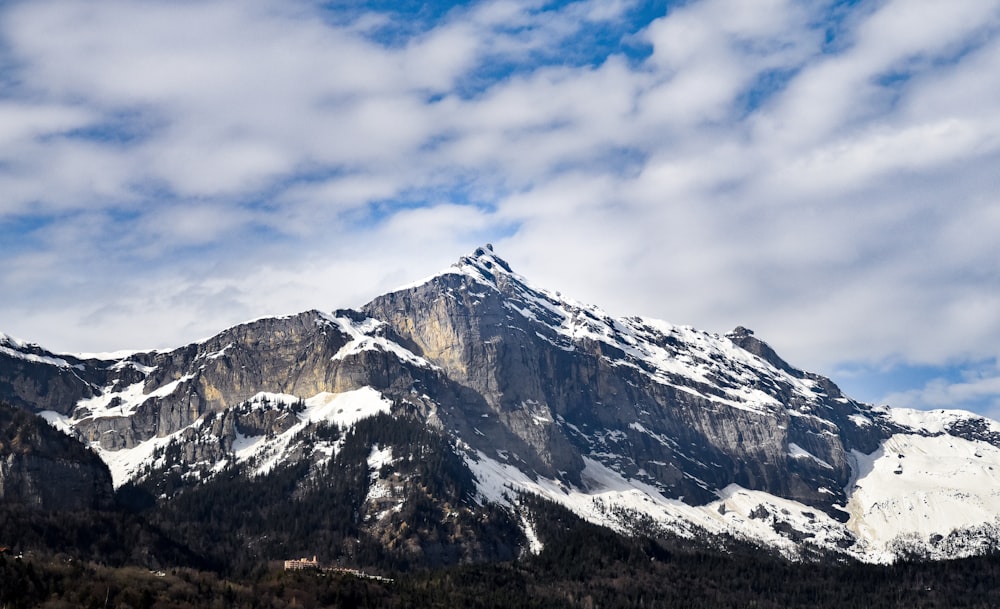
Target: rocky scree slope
{"x": 631, "y": 422}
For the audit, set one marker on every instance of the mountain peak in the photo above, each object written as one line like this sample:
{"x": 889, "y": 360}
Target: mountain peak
{"x": 745, "y": 339}
{"x": 483, "y": 266}
{"x": 483, "y": 263}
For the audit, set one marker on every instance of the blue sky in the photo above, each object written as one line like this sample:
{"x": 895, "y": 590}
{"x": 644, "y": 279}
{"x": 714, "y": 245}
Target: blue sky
{"x": 821, "y": 172}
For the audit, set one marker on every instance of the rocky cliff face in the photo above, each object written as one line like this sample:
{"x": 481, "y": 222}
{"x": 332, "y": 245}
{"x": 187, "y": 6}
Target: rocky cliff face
{"x": 41, "y": 468}
{"x": 153, "y": 395}
{"x": 37, "y": 380}
{"x": 684, "y": 411}
{"x": 628, "y": 421}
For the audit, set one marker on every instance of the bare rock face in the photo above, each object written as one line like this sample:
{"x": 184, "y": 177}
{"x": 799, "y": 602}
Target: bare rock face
{"x": 663, "y": 404}
{"x": 290, "y": 355}
{"x": 45, "y": 469}
{"x": 37, "y": 380}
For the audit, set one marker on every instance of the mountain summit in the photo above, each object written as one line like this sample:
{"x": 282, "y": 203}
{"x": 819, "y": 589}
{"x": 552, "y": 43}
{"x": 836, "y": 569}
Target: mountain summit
{"x": 632, "y": 423}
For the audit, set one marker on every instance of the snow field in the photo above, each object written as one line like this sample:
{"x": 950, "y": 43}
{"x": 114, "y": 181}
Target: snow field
{"x": 923, "y": 486}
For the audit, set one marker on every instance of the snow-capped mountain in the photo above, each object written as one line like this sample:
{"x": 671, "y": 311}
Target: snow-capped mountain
{"x": 632, "y": 423}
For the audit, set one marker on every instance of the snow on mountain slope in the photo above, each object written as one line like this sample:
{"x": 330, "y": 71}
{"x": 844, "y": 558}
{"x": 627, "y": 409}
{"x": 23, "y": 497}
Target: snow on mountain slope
{"x": 630, "y": 506}
{"x": 937, "y": 497}
{"x": 823, "y": 435}
{"x": 341, "y": 410}
{"x": 123, "y": 464}
{"x": 122, "y": 402}
{"x": 265, "y": 449}
{"x": 917, "y": 490}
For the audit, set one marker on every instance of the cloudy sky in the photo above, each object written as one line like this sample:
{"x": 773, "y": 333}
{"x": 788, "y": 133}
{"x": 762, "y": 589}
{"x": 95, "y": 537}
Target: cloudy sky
{"x": 825, "y": 173}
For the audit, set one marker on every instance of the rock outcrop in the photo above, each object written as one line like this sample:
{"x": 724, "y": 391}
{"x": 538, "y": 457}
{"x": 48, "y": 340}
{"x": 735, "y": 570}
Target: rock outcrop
{"x": 685, "y": 411}
{"x": 41, "y": 468}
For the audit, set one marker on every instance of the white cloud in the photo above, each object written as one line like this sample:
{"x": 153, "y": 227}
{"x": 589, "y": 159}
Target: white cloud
{"x": 903, "y": 30}
{"x": 20, "y": 122}
{"x": 708, "y": 53}
{"x": 852, "y": 163}
{"x": 978, "y": 392}
{"x": 842, "y": 91}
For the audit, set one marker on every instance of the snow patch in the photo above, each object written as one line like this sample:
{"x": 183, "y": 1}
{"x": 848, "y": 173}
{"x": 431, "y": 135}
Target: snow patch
{"x": 378, "y": 458}
{"x": 215, "y": 354}
{"x": 380, "y": 491}
{"x": 346, "y": 409}
{"x": 535, "y": 545}
{"x": 860, "y": 420}
{"x": 126, "y": 400}
{"x": 126, "y": 363}
{"x": 797, "y": 452}
{"x": 362, "y": 338}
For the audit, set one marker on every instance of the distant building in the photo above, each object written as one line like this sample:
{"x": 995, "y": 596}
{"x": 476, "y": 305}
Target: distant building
{"x": 301, "y": 563}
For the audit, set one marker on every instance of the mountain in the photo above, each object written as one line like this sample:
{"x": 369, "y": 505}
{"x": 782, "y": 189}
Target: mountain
{"x": 425, "y": 420}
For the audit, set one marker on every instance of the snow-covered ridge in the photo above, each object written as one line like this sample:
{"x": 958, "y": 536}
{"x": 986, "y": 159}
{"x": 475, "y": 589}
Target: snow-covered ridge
{"x": 18, "y": 349}
{"x": 15, "y": 347}
{"x": 936, "y": 421}
{"x": 478, "y": 266}
{"x": 10, "y": 341}
{"x": 115, "y": 356}
{"x": 38, "y": 359}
